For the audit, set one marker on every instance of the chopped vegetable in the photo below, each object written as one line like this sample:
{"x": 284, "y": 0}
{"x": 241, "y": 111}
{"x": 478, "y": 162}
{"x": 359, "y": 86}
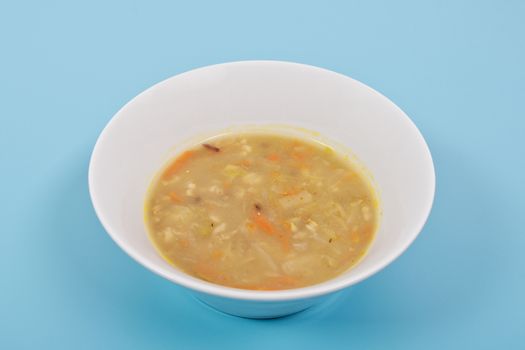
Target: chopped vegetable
{"x": 291, "y": 191}
{"x": 232, "y": 171}
{"x": 219, "y": 228}
{"x": 205, "y": 229}
{"x": 367, "y": 214}
{"x": 273, "y": 157}
{"x": 177, "y": 164}
{"x": 175, "y": 198}
{"x": 252, "y": 178}
{"x": 267, "y": 227}
{"x": 263, "y": 223}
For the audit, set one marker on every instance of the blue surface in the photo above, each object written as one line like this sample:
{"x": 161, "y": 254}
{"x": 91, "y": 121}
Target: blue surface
{"x": 457, "y": 68}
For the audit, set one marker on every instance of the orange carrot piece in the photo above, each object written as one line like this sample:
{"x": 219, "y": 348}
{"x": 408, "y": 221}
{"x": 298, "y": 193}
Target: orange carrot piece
{"x": 267, "y": 227}
{"x": 175, "y": 198}
{"x": 291, "y": 192}
{"x": 263, "y": 223}
{"x": 274, "y": 157}
{"x": 177, "y": 164}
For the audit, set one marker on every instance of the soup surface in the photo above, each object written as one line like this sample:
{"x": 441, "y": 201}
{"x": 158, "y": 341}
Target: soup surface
{"x": 261, "y": 211}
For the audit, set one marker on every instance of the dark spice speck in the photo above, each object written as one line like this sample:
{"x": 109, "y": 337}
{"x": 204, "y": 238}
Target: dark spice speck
{"x": 211, "y": 147}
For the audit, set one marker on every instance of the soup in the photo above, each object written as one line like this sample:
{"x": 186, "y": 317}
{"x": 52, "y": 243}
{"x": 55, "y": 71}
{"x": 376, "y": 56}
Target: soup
{"x": 261, "y": 211}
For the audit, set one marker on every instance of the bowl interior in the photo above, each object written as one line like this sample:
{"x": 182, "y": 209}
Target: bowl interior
{"x": 165, "y": 118}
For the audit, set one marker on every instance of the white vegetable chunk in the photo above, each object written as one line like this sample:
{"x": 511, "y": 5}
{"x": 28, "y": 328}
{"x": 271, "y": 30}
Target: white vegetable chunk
{"x": 252, "y": 178}
{"x": 219, "y": 228}
{"x": 367, "y": 215}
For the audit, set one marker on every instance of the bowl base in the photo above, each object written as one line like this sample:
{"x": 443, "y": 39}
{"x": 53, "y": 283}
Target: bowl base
{"x": 258, "y": 309}
{"x": 270, "y": 317}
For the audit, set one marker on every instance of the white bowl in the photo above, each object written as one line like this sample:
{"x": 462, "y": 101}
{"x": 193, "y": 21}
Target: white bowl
{"x": 159, "y": 122}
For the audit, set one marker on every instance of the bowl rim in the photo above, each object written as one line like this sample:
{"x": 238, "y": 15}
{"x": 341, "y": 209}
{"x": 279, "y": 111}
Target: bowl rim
{"x": 202, "y": 286}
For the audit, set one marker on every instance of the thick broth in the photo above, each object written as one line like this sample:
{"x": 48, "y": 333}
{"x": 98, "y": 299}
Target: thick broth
{"x": 261, "y": 211}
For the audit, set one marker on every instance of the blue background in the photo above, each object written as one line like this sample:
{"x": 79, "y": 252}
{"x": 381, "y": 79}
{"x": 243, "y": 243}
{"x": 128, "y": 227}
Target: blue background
{"x": 456, "y": 67}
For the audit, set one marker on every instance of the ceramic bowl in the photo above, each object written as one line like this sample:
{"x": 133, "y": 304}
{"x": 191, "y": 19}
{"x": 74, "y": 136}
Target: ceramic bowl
{"x": 160, "y": 121}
